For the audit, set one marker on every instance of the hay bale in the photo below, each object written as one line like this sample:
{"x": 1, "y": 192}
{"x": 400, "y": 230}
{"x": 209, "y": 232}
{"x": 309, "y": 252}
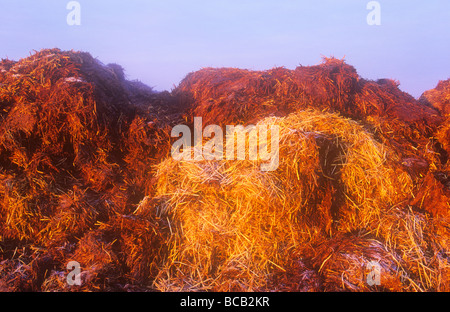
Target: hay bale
{"x": 235, "y": 227}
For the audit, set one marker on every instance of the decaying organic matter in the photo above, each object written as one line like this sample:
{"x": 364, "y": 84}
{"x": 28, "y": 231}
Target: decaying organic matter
{"x": 86, "y": 175}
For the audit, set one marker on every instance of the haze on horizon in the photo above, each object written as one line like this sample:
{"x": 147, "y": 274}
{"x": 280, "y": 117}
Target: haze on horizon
{"x": 160, "y": 42}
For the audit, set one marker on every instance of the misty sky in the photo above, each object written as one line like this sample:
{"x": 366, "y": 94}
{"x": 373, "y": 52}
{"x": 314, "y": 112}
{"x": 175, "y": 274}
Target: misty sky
{"x": 160, "y": 41}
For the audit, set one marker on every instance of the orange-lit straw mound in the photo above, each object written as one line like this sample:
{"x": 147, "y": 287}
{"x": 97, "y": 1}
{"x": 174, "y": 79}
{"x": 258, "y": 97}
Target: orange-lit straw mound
{"x": 86, "y": 176}
{"x": 439, "y": 98}
{"x": 64, "y": 120}
{"x": 77, "y": 141}
{"x": 435, "y": 188}
{"x": 236, "y": 96}
{"x": 235, "y": 227}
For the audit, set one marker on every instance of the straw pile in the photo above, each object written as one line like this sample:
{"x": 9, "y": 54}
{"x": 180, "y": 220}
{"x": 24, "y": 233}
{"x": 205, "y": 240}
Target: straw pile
{"x": 77, "y": 142}
{"x": 85, "y": 175}
{"x": 236, "y": 96}
{"x": 439, "y": 98}
{"x": 235, "y": 226}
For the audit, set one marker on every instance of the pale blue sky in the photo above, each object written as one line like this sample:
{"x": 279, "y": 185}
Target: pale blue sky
{"x": 160, "y": 41}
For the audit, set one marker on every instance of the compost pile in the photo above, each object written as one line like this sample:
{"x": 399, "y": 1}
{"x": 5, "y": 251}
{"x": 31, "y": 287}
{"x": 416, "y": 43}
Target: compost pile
{"x": 86, "y": 175}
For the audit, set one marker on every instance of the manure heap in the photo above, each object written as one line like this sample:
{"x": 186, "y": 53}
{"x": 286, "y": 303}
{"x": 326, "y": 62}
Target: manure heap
{"x": 86, "y": 175}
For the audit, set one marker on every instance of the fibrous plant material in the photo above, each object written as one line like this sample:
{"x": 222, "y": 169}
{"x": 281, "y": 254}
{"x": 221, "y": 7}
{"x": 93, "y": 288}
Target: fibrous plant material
{"x": 235, "y": 227}
{"x": 362, "y": 181}
{"x": 230, "y": 96}
{"x": 346, "y": 264}
{"x": 77, "y": 142}
{"x": 439, "y": 97}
